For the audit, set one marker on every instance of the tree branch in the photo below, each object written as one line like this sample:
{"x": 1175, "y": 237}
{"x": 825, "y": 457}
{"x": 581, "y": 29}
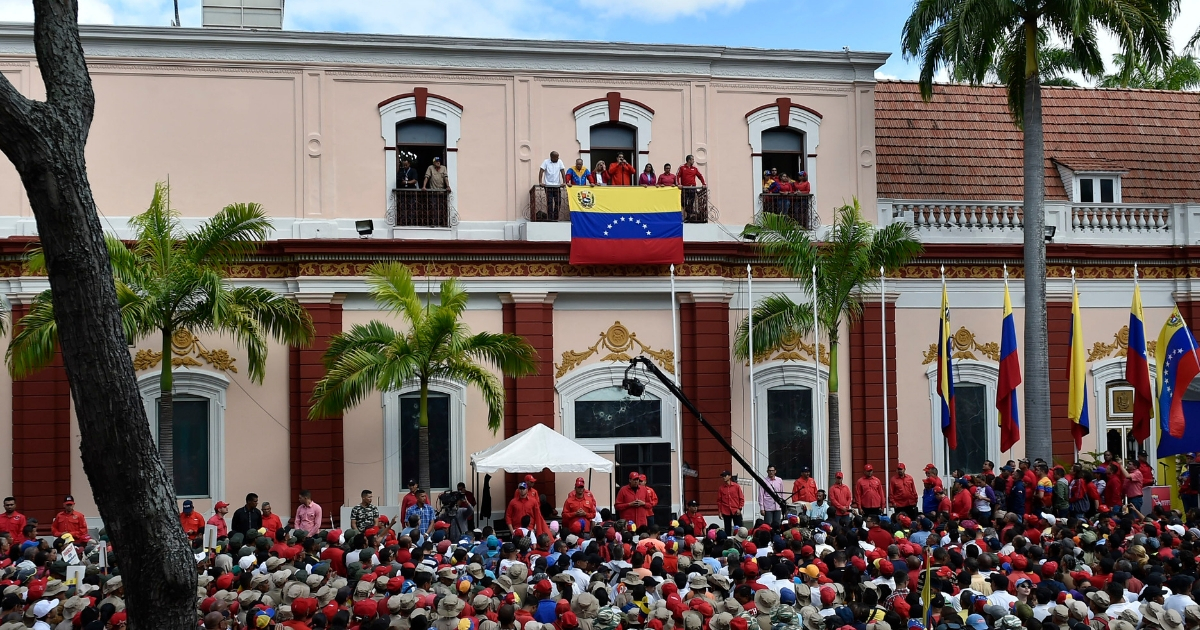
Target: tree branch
{"x": 61, "y": 60}
{"x": 16, "y": 120}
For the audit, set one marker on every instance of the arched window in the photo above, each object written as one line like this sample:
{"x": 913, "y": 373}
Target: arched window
{"x": 447, "y": 427}
{"x": 783, "y": 151}
{"x": 785, "y": 136}
{"x": 610, "y": 139}
{"x": 423, "y": 138}
{"x": 425, "y": 125}
{"x": 974, "y": 413}
{"x": 199, "y": 429}
{"x": 1114, "y": 410}
{"x": 790, "y": 427}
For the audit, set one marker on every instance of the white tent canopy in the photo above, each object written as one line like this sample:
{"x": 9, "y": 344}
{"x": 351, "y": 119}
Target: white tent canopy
{"x": 536, "y": 448}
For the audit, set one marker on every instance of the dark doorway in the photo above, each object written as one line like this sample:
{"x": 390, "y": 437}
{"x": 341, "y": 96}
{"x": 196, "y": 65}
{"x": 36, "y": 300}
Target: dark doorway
{"x": 654, "y": 461}
{"x": 612, "y": 138}
{"x": 783, "y": 149}
{"x": 424, "y": 138}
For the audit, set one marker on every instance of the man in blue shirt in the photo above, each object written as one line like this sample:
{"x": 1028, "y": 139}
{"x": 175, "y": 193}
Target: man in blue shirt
{"x": 424, "y": 512}
{"x": 579, "y": 175}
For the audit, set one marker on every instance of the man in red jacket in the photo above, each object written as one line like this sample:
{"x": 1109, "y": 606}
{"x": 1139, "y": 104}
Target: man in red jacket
{"x": 839, "y": 496}
{"x": 688, "y": 174}
{"x": 580, "y": 504}
{"x": 904, "y": 492}
{"x": 730, "y": 502}
{"x": 635, "y": 502}
{"x": 522, "y": 505}
{"x": 804, "y": 489}
{"x": 868, "y": 492}
{"x": 70, "y": 522}
{"x": 620, "y": 173}
{"x": 693, "y": 518}
{"x": 960, "y": 505}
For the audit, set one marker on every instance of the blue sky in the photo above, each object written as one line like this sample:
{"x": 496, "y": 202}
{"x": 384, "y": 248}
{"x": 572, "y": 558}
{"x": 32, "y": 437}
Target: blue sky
{"x": 804, "y": 24}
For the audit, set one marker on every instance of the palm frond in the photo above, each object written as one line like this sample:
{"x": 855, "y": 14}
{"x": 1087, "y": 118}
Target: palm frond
{"x": 510, "y": 353}
{"x": 355, "y": 374}
{"x": 374, "y": 336}
{"x": 776, "y": 319}
{"x": 36, "y": 341}
{"x": 391, "y": 285}
{"x": 157, "y": 231}
{"x": 487, "y": 382}
{"x": 229, "y": 236}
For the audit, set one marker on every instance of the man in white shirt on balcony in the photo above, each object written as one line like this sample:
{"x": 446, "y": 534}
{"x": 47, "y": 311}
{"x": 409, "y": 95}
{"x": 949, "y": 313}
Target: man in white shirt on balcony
{"x": 552, "y": 175}
{"x": 436, "y": 177}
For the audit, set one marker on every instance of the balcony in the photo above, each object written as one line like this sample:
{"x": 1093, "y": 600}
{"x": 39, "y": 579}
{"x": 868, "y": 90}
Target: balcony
{"x": 938, "y": 221}
{"x": 421, "y": 208}
{"x": 797, "y": 206}
{"x": 548, "y": 204}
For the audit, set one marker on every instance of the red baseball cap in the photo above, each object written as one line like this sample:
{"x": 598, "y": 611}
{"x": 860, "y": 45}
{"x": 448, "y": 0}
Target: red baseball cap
{"x": 839, "y": 474}
{"x": 901, "y": 466}
{"x": 220, "y": 504}
{"x": 579, "y": 482}
{"x": 366, "y": 608}
{"x": 633, "y": 476}
{"x": 868, "y": 467}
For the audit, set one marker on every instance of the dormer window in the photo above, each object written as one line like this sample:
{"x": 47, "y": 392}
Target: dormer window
{"x": 1098, "y": 189}
{"x": 1090, "y": 180}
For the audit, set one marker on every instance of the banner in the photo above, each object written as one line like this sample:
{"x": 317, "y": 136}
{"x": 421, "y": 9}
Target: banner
{"x": 625, "y": 225}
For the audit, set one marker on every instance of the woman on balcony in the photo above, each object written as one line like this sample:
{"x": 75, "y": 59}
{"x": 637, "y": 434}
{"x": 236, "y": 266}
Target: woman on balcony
{"x": 600, "y": 175}
{"x": 648, "y": 178}
{"x": 667, "y": 178}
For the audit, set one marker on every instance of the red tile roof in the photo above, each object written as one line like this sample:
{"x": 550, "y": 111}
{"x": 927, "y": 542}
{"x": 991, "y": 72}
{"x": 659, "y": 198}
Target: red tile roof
{"x": 963, "y": 144}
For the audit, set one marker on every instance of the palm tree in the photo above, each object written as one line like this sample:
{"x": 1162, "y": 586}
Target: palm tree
{"x": 170, "y": 280}
{"x": 1055, "y": 64}
{"x": 847, "y": 264}
{"x": 970, "y": 36}
{"x": 1178, "y": 72}
{"x": 436, "y": 345}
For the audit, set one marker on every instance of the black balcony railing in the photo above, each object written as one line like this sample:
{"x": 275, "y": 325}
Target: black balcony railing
{"x": 549, "y": 203}
{"x": 798, "y": 206}
{"x": 421, "y": 208}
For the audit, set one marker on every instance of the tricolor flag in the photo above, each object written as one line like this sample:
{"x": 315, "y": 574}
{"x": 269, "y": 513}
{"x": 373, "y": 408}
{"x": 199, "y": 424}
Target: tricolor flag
{"x": 945, "y": 375}
{"x": 1010, "y": 378}
{"x": 1176, "y": 364}
{"x": 625, "y": 225}
{"x": 1137, "y": 370}
{"x": 1077, "y": 401}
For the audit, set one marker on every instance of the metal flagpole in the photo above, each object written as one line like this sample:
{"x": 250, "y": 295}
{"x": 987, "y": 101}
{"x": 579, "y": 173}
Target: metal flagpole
{"x": 1010, "y": 450}
{"x": 750, "y": 328}
{"x": 816, "y": 357}
{"x": 678, "y": 412}
{"x": 1074, "y": 298}
{"x": 887, "y": 451}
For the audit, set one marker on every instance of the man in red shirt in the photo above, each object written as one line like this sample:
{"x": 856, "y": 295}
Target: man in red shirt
{"x": 524, "y": 505}
{"x": 730, "y": 502}
{"x": 70, "y": 522}
{"x": 877, "y": 535}
{"x": 193, "y": 523}
{"x": 580, "y": 504}
{"x": 634, "y": 501}
{"x": 1146, "y": 469}
{"x": 960, "y": 505}
{"x": 693, "y": 518}
{"x": 804, "y": 488}
{"x": 620, "y": 173}
{"x": 12, "y": 521}
{"x": 218, "y": 519}
{"x": 868, "y": 492}
{"x": 688, "y": 174}
{"x": 409, "y": 499}
{"x": 904, "y": 492}
{"x": 839, "y": 496}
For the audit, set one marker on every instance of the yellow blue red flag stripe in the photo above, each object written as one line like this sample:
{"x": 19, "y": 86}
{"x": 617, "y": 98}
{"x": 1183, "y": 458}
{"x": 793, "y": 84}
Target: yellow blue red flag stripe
{"x": 1077, "y": 401}
{"x": 625, "y": 225}
{"x": 1010, "y": 378}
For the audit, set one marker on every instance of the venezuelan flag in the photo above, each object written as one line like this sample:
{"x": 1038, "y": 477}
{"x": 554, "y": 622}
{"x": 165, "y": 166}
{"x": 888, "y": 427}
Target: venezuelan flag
{"x": 1137, "y": 370}
{"x": 1176, "y": 364}
{"x": 625, "y": 225}
{"x": 1077, "y": 401}
{"x": 1010, "y": 378}
{"x": 945, "y": 382}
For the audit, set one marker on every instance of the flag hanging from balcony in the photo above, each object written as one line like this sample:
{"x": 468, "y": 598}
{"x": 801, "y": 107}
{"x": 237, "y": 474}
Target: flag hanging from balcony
{"x": 945, "y": 374}
{"x": 1176, "y": 364}
{"x": 1010, "y": 377}
{"x": 1077, "y": 400}
{"x": 1137, "y": 369}
{"x": 625, "y": 225}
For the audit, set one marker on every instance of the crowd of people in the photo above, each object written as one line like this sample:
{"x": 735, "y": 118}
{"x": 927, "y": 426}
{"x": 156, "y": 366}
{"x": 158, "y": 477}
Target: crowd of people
{"x": 1028, "y": 545}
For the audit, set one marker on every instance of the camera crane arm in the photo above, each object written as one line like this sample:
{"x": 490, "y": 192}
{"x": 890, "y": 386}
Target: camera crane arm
{"x": 634, "y": 387}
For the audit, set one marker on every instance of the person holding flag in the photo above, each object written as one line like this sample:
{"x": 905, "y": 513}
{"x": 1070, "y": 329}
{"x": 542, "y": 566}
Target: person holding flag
{"x": 1010, "y": 376}
{"x": 1137, "y": 368}
{"x": 1077, "y": 407}
{"x": 945, "y": 372}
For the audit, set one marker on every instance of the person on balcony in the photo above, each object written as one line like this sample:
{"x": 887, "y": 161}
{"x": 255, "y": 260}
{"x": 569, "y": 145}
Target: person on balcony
{"x": 620, "y": 173}
{"x": 668, "y": 178}
{"x": 801, "y": 185}
{"x": 406, "y": 177}
{"x": 768, "y": 180}
{"x": 688, "y": 176}
{"x": 552, "y": 176}
{"x": 600, "y": 174}
{"x": 579, "y": 175}
{"x": 436, "y": 176}
{"x": 783, "y": 187}
{"x": 648, "y": 178}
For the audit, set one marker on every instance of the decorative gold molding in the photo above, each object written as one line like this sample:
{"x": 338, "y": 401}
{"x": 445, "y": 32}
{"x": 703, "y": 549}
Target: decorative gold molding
{"x": 617, "y": 341}
{"x": 1118, "y": 348}
{"x": 184, "y": 344}
{"x": 963, "y": 345}
{"x": 793, "y": 348}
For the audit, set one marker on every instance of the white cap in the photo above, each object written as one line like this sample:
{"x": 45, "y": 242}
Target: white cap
{"x": 43, "y": 608}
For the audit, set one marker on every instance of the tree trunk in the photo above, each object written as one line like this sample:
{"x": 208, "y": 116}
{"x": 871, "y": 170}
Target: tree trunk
{"x": 1038, "y": 440}
{"x": 166, "y": 411}
{"x": 423, "y": 440}
{"x": 834, "y": 417}
{"x": 45, "y": 142}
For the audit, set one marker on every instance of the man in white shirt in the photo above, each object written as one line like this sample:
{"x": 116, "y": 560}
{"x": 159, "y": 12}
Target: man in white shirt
{"x": 1000, "y": 595}
{"x": 553, "y": 175}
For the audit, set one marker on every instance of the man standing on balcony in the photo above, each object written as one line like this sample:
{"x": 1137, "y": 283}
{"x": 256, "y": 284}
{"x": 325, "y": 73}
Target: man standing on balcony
{"x": 436, "y": 176}
{"x": 552, "y": 176}
{"x": 407, "y": 176}
{"x": 620, "y": 173}
{"x": 688, "y": 174}
{"x": 579, "y": 175}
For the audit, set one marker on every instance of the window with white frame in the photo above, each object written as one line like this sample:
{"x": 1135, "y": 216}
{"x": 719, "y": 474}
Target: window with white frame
{"x": 790, "y": 428}
{"x": 424, "y": 124}
{"x": 598, "y": 414}
{"x": 1097, "y": 188}
{"x": 975, "y": 416}
{"x": 199, "y": 429}
{"x": 447, "y": 404}
{"x": 773, "y": 139}
{"x": 605, "y": 127}
{"x": 1114, "y": 406}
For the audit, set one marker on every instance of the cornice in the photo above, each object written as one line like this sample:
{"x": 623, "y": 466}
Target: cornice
{"x": 356, "y": 49}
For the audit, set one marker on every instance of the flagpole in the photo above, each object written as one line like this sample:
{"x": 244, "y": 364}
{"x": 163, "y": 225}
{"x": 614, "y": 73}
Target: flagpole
{"x": 887, "y": 451}
{"x": 678, "y": 412}
{"x": 750, "y": 328}
{"x": 1010, "y": 446}
{"x": 817, "y": 359}
{"x": 1075, "y": 298}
